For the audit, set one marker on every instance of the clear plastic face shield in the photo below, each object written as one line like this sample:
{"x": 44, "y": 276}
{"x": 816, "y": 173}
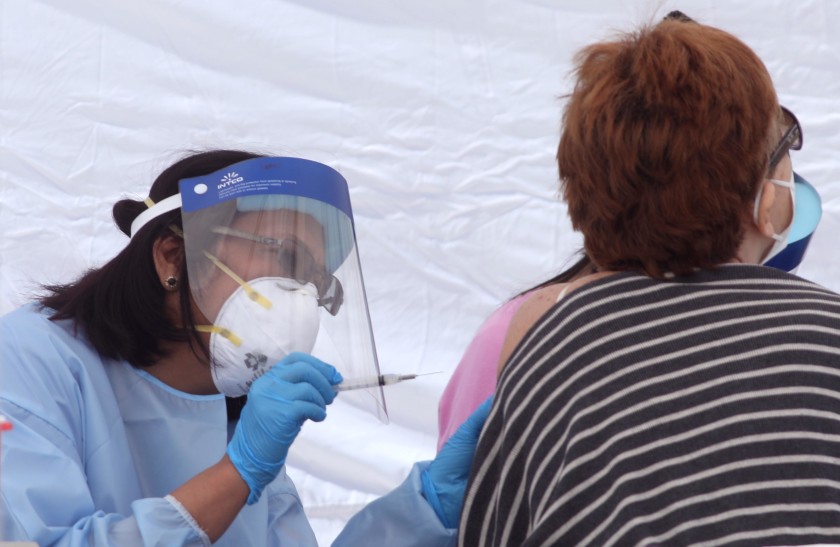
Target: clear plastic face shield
{"x": 273, "y": 268}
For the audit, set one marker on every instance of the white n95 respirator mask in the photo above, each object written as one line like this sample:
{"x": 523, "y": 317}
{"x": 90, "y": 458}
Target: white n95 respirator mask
{"x": 259, "y": 324}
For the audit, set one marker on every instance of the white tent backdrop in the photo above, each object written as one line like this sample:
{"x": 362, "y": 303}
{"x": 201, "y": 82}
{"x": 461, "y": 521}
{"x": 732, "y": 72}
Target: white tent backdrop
{"x": 443, "y": 116}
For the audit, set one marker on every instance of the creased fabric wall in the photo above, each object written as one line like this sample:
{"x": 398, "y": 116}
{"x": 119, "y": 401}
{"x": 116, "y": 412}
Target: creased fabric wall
{"x": 443, "y": 116}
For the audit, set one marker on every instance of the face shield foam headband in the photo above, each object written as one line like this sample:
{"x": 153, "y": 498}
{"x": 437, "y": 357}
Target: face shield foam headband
{"x": 340, "y": 229}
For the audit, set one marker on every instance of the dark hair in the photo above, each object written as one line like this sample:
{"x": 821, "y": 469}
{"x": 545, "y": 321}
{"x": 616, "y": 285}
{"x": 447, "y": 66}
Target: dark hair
{"x": 583, "y": 264}
{"x": 665, "y": 142}
{"x": 120, "y": 305}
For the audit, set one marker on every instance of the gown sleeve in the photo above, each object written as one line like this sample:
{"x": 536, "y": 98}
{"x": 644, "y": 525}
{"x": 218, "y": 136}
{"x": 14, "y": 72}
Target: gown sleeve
{"x": 46, "y": 498}
{"x": 46, "y": 493}
{"x": 287, "y": 524}
{"x": 401, "y": 518}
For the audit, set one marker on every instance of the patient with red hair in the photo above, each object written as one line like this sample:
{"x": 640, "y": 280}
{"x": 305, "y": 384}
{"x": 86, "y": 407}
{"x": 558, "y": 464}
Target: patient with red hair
{"x": 685, "y": 393}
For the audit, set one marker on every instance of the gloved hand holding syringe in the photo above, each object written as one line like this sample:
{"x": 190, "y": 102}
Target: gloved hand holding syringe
{"x": 375, "y": 381}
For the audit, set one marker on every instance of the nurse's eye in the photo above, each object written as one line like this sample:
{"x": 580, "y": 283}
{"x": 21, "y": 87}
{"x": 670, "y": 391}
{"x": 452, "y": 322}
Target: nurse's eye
{"x": 291, "y": 263}
{"x": 296, "y": 262}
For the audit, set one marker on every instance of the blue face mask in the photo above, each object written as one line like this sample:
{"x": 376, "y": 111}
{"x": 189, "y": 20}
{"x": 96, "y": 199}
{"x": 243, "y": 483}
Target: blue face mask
{"x": 806, "y": 217}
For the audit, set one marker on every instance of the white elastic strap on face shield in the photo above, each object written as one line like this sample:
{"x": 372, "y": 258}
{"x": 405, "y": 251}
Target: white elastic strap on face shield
{"x": 164, "y": 206}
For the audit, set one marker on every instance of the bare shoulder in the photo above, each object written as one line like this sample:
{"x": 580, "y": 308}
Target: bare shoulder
{"x": 534, "y": 307}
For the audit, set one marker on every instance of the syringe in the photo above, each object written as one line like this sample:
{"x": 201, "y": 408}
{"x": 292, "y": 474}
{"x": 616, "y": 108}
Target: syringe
{"x": 375, "y": 381}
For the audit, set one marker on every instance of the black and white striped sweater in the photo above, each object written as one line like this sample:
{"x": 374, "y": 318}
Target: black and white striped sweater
{"x": 695, "y": 411}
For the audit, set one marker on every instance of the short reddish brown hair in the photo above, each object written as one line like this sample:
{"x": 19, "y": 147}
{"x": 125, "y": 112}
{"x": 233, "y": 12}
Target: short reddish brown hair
{"x": 665, "y": 141}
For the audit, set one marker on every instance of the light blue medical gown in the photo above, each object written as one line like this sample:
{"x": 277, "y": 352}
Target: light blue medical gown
{"x": 97, "y": 445}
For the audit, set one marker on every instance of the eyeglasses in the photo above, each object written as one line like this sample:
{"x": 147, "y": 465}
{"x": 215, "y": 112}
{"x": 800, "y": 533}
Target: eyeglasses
{"x": 791, "y": 140}
{"x": 296, "y": 262}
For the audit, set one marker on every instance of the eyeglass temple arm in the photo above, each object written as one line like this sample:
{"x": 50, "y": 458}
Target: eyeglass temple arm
{"x": 244, "y": 235}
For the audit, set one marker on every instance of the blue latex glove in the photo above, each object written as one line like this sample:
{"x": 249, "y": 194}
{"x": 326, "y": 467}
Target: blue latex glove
{"x": 297, "y": 388}
{"x": 445, "y": 480}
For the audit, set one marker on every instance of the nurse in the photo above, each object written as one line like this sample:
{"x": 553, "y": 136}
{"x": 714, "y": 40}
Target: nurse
{"x": 125, "y": 386}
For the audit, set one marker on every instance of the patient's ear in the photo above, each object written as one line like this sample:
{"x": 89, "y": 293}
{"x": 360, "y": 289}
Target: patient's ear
{"x": 763, "y": 220}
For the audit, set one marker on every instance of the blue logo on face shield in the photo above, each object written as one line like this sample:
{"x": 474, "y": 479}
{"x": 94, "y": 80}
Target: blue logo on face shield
{"x": 230, "y": 179}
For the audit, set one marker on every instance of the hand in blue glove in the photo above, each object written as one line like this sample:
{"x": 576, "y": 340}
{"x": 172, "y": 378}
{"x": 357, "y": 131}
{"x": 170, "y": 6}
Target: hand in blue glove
{"x": 445, "y": 480}
{"x": 297, "y": 388}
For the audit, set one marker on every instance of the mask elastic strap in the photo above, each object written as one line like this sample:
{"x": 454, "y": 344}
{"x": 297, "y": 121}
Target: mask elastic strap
{"x": 221, "y": 331}
{"x": 249, "y": 290}
{"x": 789, "y": 184}
{"x": 786, "y": 183}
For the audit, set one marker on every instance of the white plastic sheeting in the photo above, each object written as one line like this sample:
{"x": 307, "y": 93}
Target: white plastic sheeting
{"x": 443, "y": 116}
